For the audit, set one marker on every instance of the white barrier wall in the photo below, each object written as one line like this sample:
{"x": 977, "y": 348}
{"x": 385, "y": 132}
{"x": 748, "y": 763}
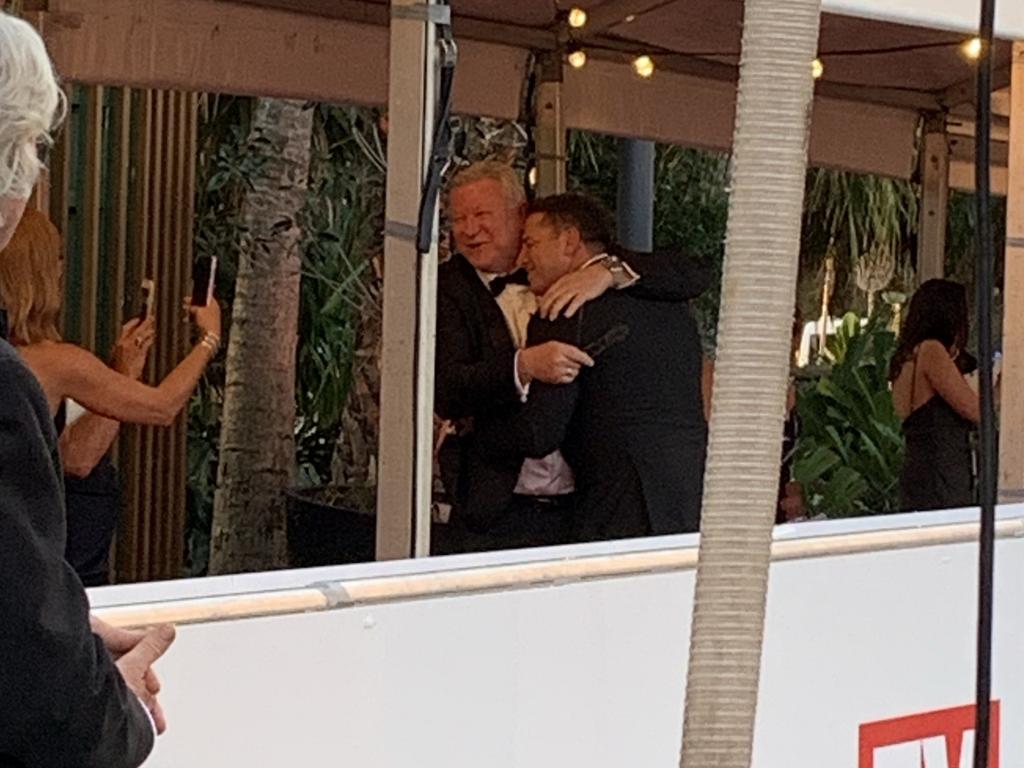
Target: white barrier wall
{"x": 592, "y": 672}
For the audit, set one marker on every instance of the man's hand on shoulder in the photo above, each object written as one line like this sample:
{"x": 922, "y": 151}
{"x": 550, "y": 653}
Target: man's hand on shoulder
{"x": 553, "y": 362}
{"x": 574, "y": 289}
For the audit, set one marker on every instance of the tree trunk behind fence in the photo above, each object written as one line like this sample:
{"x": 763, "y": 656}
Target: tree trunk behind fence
{"x": 257, "y": 448}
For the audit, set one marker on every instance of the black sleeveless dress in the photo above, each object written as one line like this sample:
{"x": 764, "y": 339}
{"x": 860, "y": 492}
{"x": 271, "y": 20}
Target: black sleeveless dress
{"x": 938, "y": 468}
{"x": 93, "y": 507}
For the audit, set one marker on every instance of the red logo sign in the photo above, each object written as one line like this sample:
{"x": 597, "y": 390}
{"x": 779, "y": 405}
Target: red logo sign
{"x": 940, "y": 739}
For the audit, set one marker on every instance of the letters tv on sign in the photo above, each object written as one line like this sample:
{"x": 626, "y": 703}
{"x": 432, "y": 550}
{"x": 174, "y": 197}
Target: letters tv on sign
{"x": 940, "y": 739}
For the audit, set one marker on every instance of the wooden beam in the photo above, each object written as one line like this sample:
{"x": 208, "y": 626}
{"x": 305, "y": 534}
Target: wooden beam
{"x": 1001, "y": 103}
{"x": 965, "y": 92}
{"x": 549, "y": 133}
{"x": 409, "y": 298}
{"x": 961, "y": 178}
{"x": 934, "y": 161}
{"x": 605, "y": 98}
{"x": 371, "y": 13}
{"x": 1011, "y": 433}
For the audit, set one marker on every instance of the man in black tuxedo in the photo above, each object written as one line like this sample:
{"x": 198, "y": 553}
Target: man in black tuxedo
{"x": 64, "y": 701}
{"x": 632, "y": 426}
{"x": 483, "y": 361}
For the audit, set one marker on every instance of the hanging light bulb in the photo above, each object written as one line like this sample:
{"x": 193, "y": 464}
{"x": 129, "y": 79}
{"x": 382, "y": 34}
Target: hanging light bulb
{"x": 643, "y": 66}
{"x": 972, "y": 48}
{"x": 532, "y": 176}
{"x": 817, "y": 68}
{"x": 577, "y": 17}
{"x": 577, "y": 57}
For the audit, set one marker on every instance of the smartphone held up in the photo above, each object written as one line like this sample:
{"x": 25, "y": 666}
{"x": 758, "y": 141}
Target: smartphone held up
{"x": 204, "y": 275}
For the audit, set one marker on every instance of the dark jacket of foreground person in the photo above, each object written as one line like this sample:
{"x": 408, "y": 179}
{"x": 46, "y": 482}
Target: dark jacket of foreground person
{"x": 63, "y": 703}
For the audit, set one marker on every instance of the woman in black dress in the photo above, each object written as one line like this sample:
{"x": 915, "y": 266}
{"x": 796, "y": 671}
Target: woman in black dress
{"x": 938, "y": 407}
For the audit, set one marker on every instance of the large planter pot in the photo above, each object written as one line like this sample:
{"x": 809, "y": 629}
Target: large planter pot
{"x": 328, "y": 525}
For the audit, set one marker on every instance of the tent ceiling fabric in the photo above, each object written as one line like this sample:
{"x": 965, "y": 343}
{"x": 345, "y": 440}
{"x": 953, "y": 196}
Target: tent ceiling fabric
{"x": 862, "y": 56}
{"x": 865, "y": 116}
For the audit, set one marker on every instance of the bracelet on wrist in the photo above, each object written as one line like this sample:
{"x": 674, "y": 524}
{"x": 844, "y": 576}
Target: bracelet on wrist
{"x": 211, "y": 341}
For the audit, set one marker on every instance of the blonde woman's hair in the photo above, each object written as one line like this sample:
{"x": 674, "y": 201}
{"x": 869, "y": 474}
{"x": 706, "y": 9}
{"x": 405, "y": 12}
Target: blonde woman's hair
{"x": 31, "y": 105}
{"x": 494, "y": 170}
{"x": 30, "y": 280}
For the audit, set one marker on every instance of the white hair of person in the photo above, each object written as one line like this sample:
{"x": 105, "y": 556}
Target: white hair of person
{"x": 31, "y": 105}
{"x": 494, "y": 170}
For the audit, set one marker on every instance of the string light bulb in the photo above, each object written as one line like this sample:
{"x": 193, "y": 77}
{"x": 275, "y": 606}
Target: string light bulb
{"x": 817, "y": 69}
{"x": 972, "y": 48}
{"x": 644, "y": 66}
{"x": 577, "y": 17}
{"x": 577, "y": 57}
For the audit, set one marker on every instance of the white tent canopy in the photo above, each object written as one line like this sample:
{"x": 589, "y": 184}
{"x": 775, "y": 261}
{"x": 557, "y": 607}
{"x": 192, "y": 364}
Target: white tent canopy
{"x": 866, "y": 114}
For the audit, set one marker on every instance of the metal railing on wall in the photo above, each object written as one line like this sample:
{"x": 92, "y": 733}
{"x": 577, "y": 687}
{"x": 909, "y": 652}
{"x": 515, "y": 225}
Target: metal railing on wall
{"x": 122, "y": 189}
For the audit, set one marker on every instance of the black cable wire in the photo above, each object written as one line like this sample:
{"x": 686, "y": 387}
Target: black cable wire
{"x": 987, "y": 470}
{"x": 528, "y": 117}
{"x": 614, "y": 43}
{"x": 440, "y": 152}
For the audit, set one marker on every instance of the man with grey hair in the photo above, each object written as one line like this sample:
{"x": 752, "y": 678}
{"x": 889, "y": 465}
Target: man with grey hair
{"x": 484, "y": 367}
{"x": 30, "y": 104}
{"x": 64, "y": 700}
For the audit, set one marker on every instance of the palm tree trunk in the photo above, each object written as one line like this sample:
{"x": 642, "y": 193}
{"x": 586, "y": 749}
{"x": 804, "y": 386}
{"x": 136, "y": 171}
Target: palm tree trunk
{"x": 257, "y": 448}
{"x": 740, "y": 493}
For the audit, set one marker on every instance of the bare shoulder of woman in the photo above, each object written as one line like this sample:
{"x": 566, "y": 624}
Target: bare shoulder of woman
{"x": 67, "y": 363}
{"x": 932, "y": 354}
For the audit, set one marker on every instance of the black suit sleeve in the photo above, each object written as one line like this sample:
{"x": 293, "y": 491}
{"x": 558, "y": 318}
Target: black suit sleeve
{"x": 465, "y": 384}
{"x": 540, "y": 426}
{"x": 62, "y": 700}
{"x": 666, "y": 276}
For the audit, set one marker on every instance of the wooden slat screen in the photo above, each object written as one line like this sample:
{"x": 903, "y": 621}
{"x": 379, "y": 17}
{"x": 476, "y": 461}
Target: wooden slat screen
{"x": 121, "y": 189}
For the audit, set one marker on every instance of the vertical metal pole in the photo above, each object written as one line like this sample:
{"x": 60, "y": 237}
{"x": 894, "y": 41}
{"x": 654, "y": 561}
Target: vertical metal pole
{"x": 931, "y": 244}
{"x": 550, "y": 136}
{"x": 410, "y": 284}
{"x": 636, "y": 194}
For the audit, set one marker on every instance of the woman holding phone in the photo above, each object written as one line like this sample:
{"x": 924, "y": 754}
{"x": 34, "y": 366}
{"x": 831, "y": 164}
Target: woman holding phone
{"x": 31, "y": 292}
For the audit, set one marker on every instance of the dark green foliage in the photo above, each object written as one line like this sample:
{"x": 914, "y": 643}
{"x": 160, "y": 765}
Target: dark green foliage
{"x": 691, "y": 204}
{"x": 341, "y": 226}
{"x": 850, "y": 448}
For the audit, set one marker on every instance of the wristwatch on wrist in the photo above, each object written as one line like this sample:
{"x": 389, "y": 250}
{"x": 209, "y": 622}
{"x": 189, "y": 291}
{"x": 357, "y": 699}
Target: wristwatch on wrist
{"x": 622, "y": 275}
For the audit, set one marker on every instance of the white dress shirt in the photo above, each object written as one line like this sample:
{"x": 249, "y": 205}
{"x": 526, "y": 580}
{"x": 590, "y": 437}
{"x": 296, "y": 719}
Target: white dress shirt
{"x": 552, "y": 475}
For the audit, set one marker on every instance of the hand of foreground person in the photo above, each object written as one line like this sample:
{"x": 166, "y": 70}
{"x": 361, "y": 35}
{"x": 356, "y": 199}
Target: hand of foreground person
{"x": 117, "y": 641}
{"x": 132, "y": 347}
{"x": 552, "y": 362}
{"x": 136, "y": 667}
{"x": 574, "y": 289}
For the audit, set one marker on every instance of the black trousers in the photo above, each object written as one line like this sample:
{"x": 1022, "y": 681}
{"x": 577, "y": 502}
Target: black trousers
{"x": 93, "y": 509}
{"x": 529, "y": 521}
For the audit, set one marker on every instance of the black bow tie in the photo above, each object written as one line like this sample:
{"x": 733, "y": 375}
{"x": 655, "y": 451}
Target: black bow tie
{"x": 498, "y": 284}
